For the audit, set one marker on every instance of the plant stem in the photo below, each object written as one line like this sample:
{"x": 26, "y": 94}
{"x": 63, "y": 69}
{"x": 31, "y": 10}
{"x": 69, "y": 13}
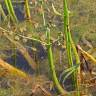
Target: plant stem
{"x": 52, "y": 66}
{"x": 77, "y": 73}
{"x": 67, "y": 34}
{"x": 11, "y": 10}
{"x": 70, "y": 44}
{"x": 28, "y": 15}
{"x": 50, "y": 56}
{"x": 2, "y": 12}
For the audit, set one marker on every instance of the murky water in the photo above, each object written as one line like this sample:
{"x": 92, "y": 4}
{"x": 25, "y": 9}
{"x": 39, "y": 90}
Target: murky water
{"x": 82, "y": 27}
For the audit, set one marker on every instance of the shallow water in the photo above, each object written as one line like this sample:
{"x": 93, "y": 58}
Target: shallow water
{"x": 82, "y": 27}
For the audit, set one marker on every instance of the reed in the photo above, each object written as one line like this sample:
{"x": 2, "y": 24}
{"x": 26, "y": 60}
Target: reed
{"x": 50, "y": 55}
{"x": 2, "y": 12}
{"x": 28, "y": 14}
{"x": 10, "y": 9}
{"x": 69, "y": 46}
{"x": 52, "y": 66}
{"x": 67, "y": 34}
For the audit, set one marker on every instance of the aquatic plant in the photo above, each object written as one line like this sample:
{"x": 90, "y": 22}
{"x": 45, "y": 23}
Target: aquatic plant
{"x": 73, "y": 69}
{"x": 50, "y": 54}
{"x": 10, "y": 9}
{"x": 69, "y": 46}
{"x": 67, "y": 34}
{"x": 51, "y": 63}
{"x": 2, "y": 12}
{"x": 27, "y": 13}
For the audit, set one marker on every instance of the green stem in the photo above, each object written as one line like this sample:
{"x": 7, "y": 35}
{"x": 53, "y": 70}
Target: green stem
{"x": 67, "y": 37}
{"x": 50, "y": 57}
{"x": 69, "y": 44}
{"x": 67, "y": 34}
{"x": 7, "y": 5}
{"x": 52, "y": 66}
{"x": 2, "y": 12}
{"x": 28, "y": 14}
{"x": 11, "y": 10}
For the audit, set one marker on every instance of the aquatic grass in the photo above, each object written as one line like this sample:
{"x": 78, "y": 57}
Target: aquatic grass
{"x": 50, "y": 59}
{"x": 74, "y": 68}
{"x": 68, "y": 70}
{"x": 10, "y": 9}
{"x": 51, "y": 63}
{"x": 2, "y": 12}
{"x": 78, "y": 72}
{"x": 67, "y": 34}
{"x": 69, "y": 46}
{"x": 50, "y": 55}
{"x": 28, "y": 14}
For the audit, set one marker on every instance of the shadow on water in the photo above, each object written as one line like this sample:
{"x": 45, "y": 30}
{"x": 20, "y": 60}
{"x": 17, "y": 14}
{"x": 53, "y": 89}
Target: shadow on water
{"x": 20, "y": 62}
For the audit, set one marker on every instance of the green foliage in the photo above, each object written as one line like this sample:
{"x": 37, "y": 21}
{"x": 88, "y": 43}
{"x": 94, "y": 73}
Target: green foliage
{"x": 28, "y": 15}
{"x": 11, "y": 10}
{"x": 2, "y": 12}
{"x": 69, "y": 46}
{"x": 52, "y": 66}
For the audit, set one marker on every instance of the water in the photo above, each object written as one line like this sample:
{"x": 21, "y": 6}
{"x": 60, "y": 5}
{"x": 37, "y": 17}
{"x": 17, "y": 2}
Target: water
{"x": 80, "y": 24}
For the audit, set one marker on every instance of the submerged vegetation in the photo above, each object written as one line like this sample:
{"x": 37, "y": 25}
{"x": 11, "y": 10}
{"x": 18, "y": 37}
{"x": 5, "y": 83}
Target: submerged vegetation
{"x": 47, "y": 47}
